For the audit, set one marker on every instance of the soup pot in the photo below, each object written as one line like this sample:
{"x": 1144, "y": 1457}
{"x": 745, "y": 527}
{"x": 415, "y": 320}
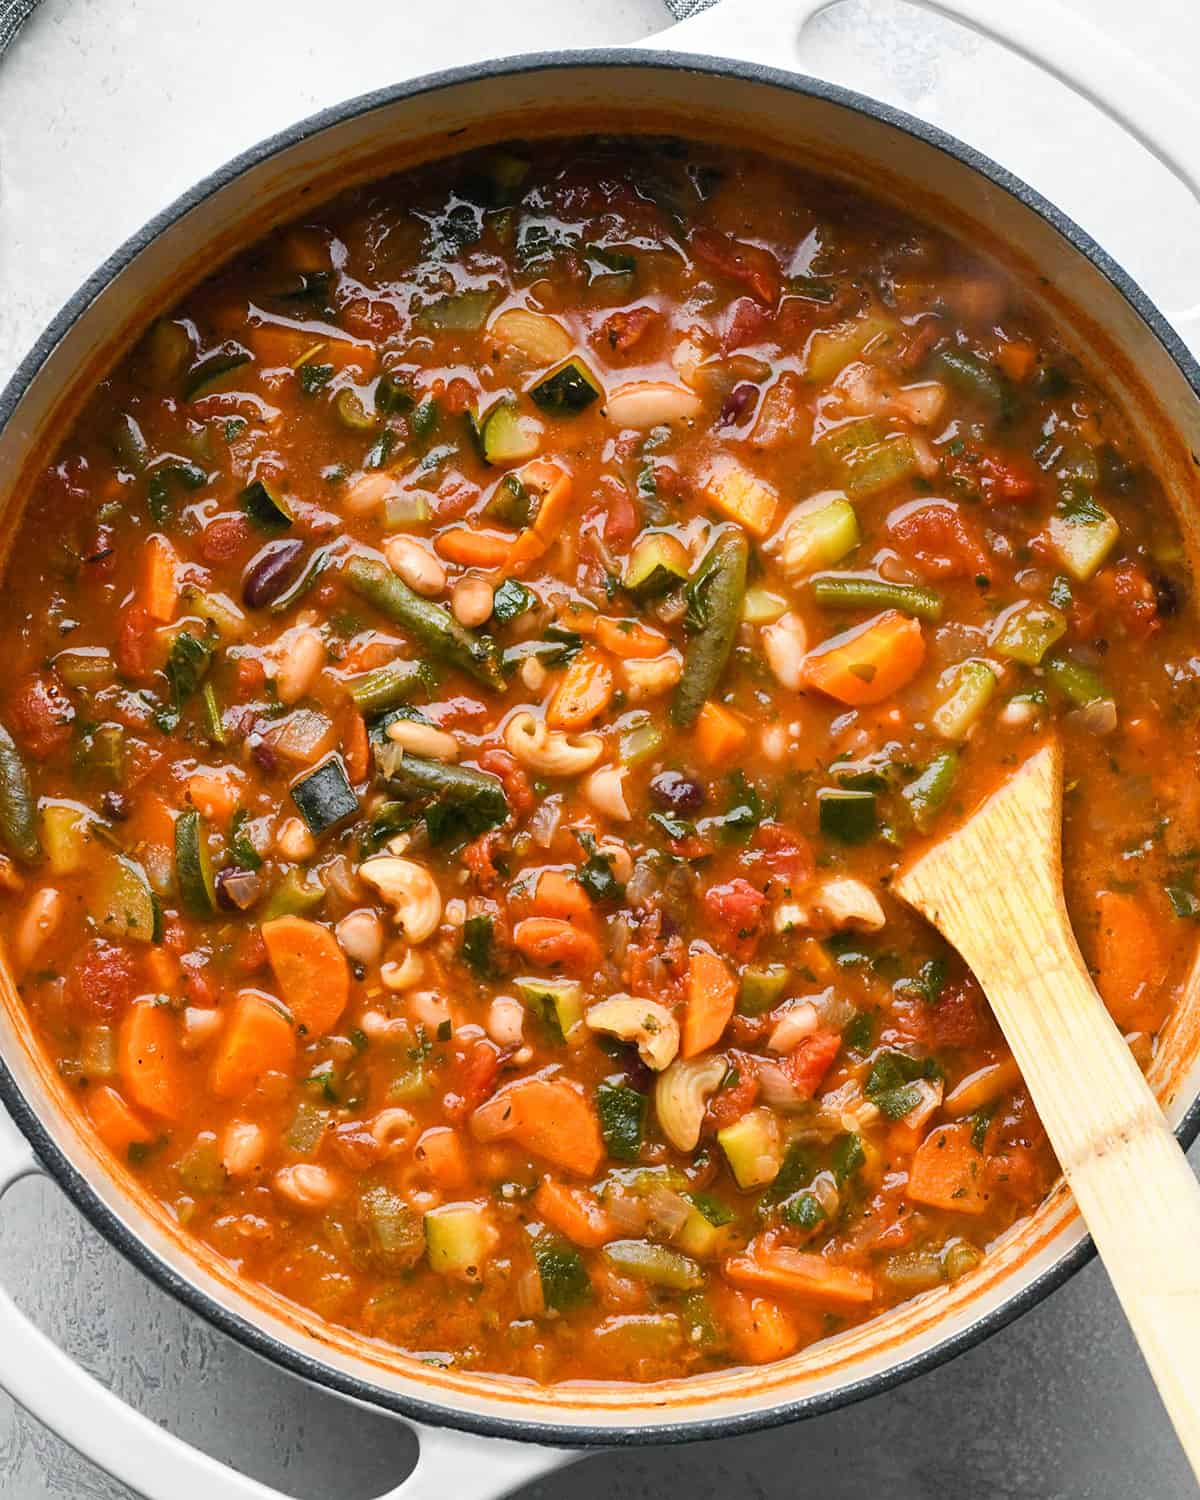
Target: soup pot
{"x": 481, "y": 1436}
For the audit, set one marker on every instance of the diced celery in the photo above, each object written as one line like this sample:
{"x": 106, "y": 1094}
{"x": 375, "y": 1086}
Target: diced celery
{"x": 965, "y": 690}
{"x": 65, "y": 836}
{"x": 1026, "y": 632}
{"x": 308, "y": 1127}
{"x": 831, "y": 349}
{"x": 296, "y": 894}
{"x": 461, "y": 312}
{"x": 818, "y": 536}
{"x": 752, "y": 1147}
{"x": 85, "y": 666}
{"x": 761, "y": 607}
{"x": 200, "y": 1168}
{"x": 395, "y": 1232}
{"x": 1082, "y": 534}
{"x": 412, "y": 1084}
{"x": 873, "y": 469}
{"x": 928, "y": 793}
{"x": 457, "y": 1239}
{"x": 1075, "y": 681}
{"x": 654, "y": 1264}
{"x": 98, "y": 1054}
{"x": 762, "y": 987}
{"x": 558, "y": 1003}
{"x": 409, "y": 509}
{"x": 639, "y": 741}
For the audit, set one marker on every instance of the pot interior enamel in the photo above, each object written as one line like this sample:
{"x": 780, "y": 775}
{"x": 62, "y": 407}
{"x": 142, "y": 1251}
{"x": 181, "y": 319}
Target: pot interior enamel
{"x": 820, "y": 126}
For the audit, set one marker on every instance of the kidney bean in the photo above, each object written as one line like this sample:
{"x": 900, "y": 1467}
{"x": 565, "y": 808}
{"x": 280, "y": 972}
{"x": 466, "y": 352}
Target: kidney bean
{"x": 738, "y": 404}
{"x": 271, "y": 571}
{"x": 676, "y": 792}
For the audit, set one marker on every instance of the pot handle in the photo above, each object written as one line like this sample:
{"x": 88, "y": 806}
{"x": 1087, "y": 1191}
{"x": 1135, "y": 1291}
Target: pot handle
{"x": 71, "y": 1403}
{"x": 1153, "y": 108}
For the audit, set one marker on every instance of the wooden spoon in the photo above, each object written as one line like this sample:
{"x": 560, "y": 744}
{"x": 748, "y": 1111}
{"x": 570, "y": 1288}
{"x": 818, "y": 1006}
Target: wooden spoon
{"x": 993, "y": 888}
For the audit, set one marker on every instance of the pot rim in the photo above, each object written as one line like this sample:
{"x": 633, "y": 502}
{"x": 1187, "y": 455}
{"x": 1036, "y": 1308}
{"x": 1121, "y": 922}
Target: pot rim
{"x": 51, "y": 1155}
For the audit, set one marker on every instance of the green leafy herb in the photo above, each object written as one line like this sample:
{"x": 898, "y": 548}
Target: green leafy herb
{"x": 165, "y": 482}
{"x": 861, "y": 1031}
{"x": 596, "y": 874}
{"x": 744, "y": 812}
{"x": 187, "y": 665}
{"x": 804, "y": 1211}
{"x": 314, "y": 378}
{"x": 622, "y": 1112}
{"x": 477, "y": 944}
{"x": 848, "y": 1157}
{"x": 244, "y": 853}
{"x": 562, "y": 1273}
{"x": 512, "y": 599}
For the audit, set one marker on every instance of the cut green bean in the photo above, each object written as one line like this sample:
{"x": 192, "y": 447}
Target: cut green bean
{"x": 1075, "y": 681}
{"x": 928, "y": 793}
{"x": 715, "y": 598}
{"x": 18, "y": 808}
{"x": 385, "y": 687}
{"x": 852, "y": 591}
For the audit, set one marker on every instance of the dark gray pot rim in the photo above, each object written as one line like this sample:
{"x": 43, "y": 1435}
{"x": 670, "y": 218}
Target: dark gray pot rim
{"x": 76, "y": 1186}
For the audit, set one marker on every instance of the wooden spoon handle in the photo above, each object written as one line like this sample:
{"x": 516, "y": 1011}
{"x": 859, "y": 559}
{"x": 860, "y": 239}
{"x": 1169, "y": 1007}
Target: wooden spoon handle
{"x": 1129, "y": 1176}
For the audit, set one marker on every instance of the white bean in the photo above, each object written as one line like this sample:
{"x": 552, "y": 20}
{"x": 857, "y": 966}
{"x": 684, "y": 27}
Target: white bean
{"x": 423, "y": 739}
{"x": 472, "y": 601}
{"x": 505, "y": 1021}
{"x": 295, "y": 661}
{"x": 294, "y": 841}
{"x": 360, "y": 936}
{"x": 307, "y": 1185}
{"x": 423, "y": 572}
{"x": 40, "y": 918}
{"x": 243, "y": 1147}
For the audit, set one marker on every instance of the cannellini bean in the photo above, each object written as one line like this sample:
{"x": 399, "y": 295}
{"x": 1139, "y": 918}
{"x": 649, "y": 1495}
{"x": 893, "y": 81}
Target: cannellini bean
{"x": 410, "y": 890}
{"x": 38, "y": 921}
{"x": 307, "y": 1185}
{"x": 533, "y": 674}
{"x": 393, "y": 1129}
{"x": 402, "y": 974}
{"x": 651, "y": 403}
{"x": 785, "y": 644}
{"x": 797, "y": 1022}
{"x": 850, "y": 903}
{"x": 472, "y": 601}
{"x": 294, "y": 661}
{"x": 360, "y": 936}
{"x": 651, "y": 678}
{"x": 243, "y": 1147}
{"x": 790, "y": 915}
{"x": 620, "y": 861}
{"x": 377, "y": 1027}
{"x": 550, "y": 751}
{"x": 774, "y": 741}
{"x": 367, "y": 493}
{"x": 505, "y": 1021}
{"x": 423, "y": 739}
{"x": 428, "y": 1009}
{"x": 200, "y": 1025}
{"x": 421, "y": 570}
{"x": 1017, "y": 715}
{"x": 294, "y": 841}
{"x": 605, "y": 790}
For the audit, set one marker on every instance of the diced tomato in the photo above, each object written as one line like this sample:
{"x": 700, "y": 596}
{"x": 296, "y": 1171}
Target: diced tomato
{"x": 1007, "y": 476}
{"x": 1017, "y": 1171}
{"x": 748, "y": 324}
{"x": 732, "y": 1103}
{"x": 811, "y": 1060}
{"x": 735, "y": 909}
{"x": 42, "y": 714}
{"x": 475, "y": 1070}
{"x": 197, "y": 983}
{"x": 135, "y": 630}
{"x": 105, "y": 978}
{"x": 479, "y": 858}
{"x": 369, "y": 318}
{"x": 223, "y": 538}
{"x": 756, "y": 268}
{"x": 921, "y": 338}
{"x": 959, "y": 1017}
{"x": 937, "y": 539}
{"x": 788, "y": 855}
{"x": 1134, "y": 599}
{"x": 620, "y": 520}
{"x": 459, "y": 396}
{"x": 516, "y": 784}
{"x": 622, "y": 330}
{"x": 356, "y": 1146}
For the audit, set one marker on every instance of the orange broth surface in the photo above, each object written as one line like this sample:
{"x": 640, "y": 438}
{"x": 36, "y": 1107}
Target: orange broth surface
{"x": 473, "y": 671}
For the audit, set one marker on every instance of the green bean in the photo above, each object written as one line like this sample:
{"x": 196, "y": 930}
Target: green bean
{"x": 436, "y": 628}
{"x": 715, "y": 597}
{"x": 18, "y": 808}
{"x": 457, "y": 802}
{"x": 386, "y": 686}
{"x": 848, "y": 591}
{"x": 974, "y": 377}
{"x": 927, "y": 794}
{"x": 1075, "y": 680}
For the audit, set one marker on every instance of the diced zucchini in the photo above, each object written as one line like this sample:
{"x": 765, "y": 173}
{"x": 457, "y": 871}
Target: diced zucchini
{"x": 1075, "y": 681}
{"x": 654, "y": 1264}
{"x": 395, "y": 1232}
{"x": 1082, "y": 534}
{"x": 558, "y": 1003}
{"x": 622, "y": 1113}
{"x": 831, "y": 349}
{"x": 928, "y": 793}
{"x": 200, "y": 1167}
{"x": 560, "y": 1268}
{"x": 641, "y": 739}
{"x": 461, "y": 312}
{"x": 975, "y": 378}
{"x": 325, "y": 796}
{"x": 511, "y": 504}
{"x": 65, "y": 836}
{"x": 705, "y": 1231}
{"x": 964, "y": 691}
{"x": 218, "y": 611}
{"x": 570, "y": 388}
{"x": 752, "y": 1148}
{"x": 407, "y": 510}
{"x": 865, "y": 459}
{"x": 762, "y": 985}
{"x": 506, "y": 437}
{"x": 265, "y": 506}
{"x": 458, "y": 1239}
{"x": 410, "y": 1085}
{"x": 847, "y": 815}
{"x": 102, "y": 753}
{"x": 192, "y": 866}
{"x": 819, "y": 535}
{"x": 123, "y": 904}
{"x": 210, "y": 373}
{"x": 657, "y": 563}
{"x": 762, "y": 607}
{"x": 1026, "y": 632}
{"x": 168, "y": 347}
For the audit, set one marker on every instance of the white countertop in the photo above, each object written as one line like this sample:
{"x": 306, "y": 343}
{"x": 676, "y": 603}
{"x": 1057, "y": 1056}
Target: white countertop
{"x": 109, "y": 108}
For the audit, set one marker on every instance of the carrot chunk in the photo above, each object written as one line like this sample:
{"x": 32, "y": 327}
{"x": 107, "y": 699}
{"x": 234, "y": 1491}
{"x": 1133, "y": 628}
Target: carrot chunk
{"x": 439, "y": 1153}
{"x": 554, "y": 943}
{"x": 1130, "y": 962}
{"x": 116, "y": 1124}
{"x": 550, "y": 1117}
{"x": 869, "y": 663}
{"x": 719, "y": 734}
{"x": 575, "y": 1213}
{"x": 311, "y": 971}
{"x": 947, "y": 1171}
{"x": 148, "y": 1059}
{"x": 258, "y": 1039}
{"x": 803, "y": 1274}
{"x": 630, "y": 639}
{"x": 760, "y": 1329}
{"x": 583, "y": 693}
{"x": 553, "y": 485}
{"x": 214, "y": 794}
{"x": 158, "y": 587}
{"x": 473, "y": 549}
{"x": 711, "y": 993}
{"x": 558, "y": 895}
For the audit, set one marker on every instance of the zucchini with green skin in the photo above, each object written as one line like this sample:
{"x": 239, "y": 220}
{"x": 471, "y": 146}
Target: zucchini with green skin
{"x": 622, "y": 1114}
{"x": 436, "y": 628}
{"x": 564, "y": 1278}
{"x": 558, "y": 1004}
{"x": 1077, "y": 682}
{"x": 854, "y": 591}
{"x": 263, "y": 506}
{"x": 122, "y": 902}
{"x": 192, "y": 866}
{"x": 819, "y": 536}
{"x": 18, "y": 807}
{"x": 568, "y": 390}
{"x": 715, "y": 598}
{"x": 1026, "y": 632}
{"x": 762, "y": 987}
{"x": 928, "y": 793}
{"x": 657, "y": 563}
{"x": 209, "y": 371}
{"x": 324, "y": 795}
{"x": 973, "y": 377}
{"x": 461, "y": 312}
{"x": 656, "y": 1265}
{"x": 504, "y": 436}
{"x": 847, "y": 815}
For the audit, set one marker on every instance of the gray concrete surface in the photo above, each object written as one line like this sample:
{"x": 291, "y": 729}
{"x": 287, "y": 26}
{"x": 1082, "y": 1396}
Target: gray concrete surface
{"x": 1057, "y": 1407}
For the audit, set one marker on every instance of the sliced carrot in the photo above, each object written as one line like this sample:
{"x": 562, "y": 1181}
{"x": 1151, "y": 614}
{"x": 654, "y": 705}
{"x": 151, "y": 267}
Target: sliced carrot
{"x": 148, "y": 1059}
{"x": 801, "y": 1273}
{"x": 575, "y": 1213}
{"x": 580, "y": 618}
{"x": 345, "y": 354}
{"x": 550, "y": 1117}
{"x": 583, "y": 693}
{"x": 440, "y": 1154}
{"x": 1130, "y": 962}
{"x": 719, "y": 734}
{"x": 869, "y": 663}
{"x": 743, "y": 498}
{"x": 553, "y": 485}
{"x": 553, "y": 943}
{"x": 356, "y": 748}
{"x": 947, "y": 1171}
{"x": 760, "y": 1329}
{"x": 276, "y": 345}
{"x": 161, "y": 968}
{"x": 629, "y": 639}
{"x": 116, "y": 1124}
{"x": 1017, "y": 359}
{"x": 258, "y": 1039}
{"x": 558, "y": 895}
{"x": 214, "y": 794}
{"x": 473, "y": 549}
{"x": 712, "y": 990}
{"x": 311, "y": 971}
{"x": 158, "y": 587}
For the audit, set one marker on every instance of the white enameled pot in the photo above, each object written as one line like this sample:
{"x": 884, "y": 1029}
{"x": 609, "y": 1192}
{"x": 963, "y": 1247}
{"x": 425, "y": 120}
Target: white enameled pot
{"x": 482, "y": 1437}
